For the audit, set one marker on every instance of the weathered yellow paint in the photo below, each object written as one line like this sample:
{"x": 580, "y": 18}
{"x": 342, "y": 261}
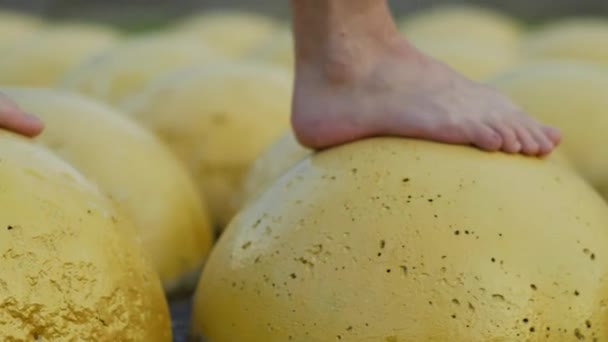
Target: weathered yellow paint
{"x": 43, "y": 58}
{"x": 232, "y": 33}
{"x": 135, "y": 169}
{"x": 463, "y": 23}
{"x": 582, "y": 39}
{"x": 284, "y": 153}
{"x": 218, "y": 119}
{"x": 69, "y": 266}
{"x": 126, "y": 69}
{"x": 572, "y": 97}
{"x": 15, "y": 27}
{"x": 401, "y": 240}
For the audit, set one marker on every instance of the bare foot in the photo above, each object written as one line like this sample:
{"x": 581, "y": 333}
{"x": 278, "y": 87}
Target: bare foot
{"x": 14, "y": 119}
{"x": 400, "y": 92}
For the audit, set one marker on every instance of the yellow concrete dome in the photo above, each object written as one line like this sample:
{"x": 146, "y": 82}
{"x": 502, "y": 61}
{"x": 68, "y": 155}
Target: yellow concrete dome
{"x": 402, "y": 240}
{"x": 472, "y": 59}
{"x": 135, "y": 169}
{"x": 279, "y": 157}
{"x": 71, "y": 270}
{"x": 278, "y": 49}
{"x": 218, "y": 119}
{"x": 44, "y": 58}
{"x": 482, "y": 26}
{"x": 15, "y": 27}
{"x": 231, "y": 32}
{"x": 122, "y": 71}
{"x": 572, "y": 97}
{"x": 581, "y": 39}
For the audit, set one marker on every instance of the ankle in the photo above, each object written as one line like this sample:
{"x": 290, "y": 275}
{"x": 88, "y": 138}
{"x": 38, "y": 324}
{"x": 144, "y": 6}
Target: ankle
{"x": 338, "y": 35}
{"x": 341, "y": 64}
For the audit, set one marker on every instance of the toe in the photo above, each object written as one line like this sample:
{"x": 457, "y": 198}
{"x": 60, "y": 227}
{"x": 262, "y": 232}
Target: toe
{"x": 510, "y": 143}
{"x": 545, "y": 144}
{"x": 529, "y": 146}
{"x": 552, "y": 134}
{"x": 486, "y": 138}
{"x": 14, "y": 119}
{"x": 21, "y": 123}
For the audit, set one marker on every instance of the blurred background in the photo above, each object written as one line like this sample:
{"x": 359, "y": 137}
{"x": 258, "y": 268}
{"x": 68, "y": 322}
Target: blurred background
{"x": 173, "y": 68}
{"x": 135, "y": 13}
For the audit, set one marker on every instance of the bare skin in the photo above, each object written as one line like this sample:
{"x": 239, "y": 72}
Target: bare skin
{"x": 14, "y": 119}
{"x": 356, "y": 77}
